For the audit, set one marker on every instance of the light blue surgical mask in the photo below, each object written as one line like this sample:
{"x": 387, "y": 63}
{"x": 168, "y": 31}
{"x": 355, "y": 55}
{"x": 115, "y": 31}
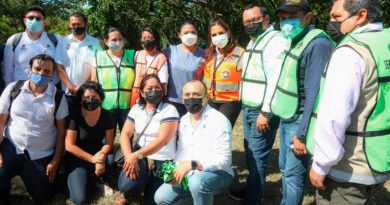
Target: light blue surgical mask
{"x": 34, "y": 26}
{"x": 291, "y": 27}
{"x": 40, "y": 80}
{"x": 115, "y": 45}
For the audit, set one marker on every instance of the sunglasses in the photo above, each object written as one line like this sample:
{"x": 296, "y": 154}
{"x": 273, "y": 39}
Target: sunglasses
{"x": 33, "y": 17}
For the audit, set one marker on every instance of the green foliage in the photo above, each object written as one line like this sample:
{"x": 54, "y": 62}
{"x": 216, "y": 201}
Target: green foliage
{"x": 131, "y": 16}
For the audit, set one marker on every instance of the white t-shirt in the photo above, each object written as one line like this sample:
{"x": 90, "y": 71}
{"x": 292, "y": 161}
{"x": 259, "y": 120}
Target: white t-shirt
{"x": 77, "y": 57}
{"x": 165, "y": 113}
{"x": 16, "y": 63}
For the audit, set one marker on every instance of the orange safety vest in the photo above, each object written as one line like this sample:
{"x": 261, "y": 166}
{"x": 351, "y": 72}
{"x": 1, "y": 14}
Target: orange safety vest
{"x": 142, "y": 71}
{"x": 223, "y": 80}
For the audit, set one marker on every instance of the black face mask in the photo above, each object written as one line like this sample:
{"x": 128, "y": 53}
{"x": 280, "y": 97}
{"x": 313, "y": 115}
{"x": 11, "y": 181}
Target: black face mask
{"x": 154, "y": 97}
{"x": 149, "y": 44}
{"x": 77, "y": 30}
{"x": 254, "y": 29}
{"x": 333, "y": 29}
{"x": 193, "y": 105}
{"x": 91, "y": 104}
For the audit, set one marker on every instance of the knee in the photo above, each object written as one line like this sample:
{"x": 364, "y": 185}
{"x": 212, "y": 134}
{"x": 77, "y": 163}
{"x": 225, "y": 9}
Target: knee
{"x": 162, "y": 195}
{"x": 197, "y": 185}
{"x": 78, "y": 198}
{"x": 159, "y": 197}
{"x": 128, "y": 186}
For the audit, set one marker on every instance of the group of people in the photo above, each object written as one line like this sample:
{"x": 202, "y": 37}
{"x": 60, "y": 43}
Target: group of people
{"x": 326, "y": 93}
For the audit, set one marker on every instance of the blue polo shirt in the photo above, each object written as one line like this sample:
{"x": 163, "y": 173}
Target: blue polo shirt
{"x": 182, "y": 67}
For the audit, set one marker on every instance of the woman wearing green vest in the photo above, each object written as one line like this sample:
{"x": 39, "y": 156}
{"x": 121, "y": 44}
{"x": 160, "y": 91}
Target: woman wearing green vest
{"x": 114, "y": 69}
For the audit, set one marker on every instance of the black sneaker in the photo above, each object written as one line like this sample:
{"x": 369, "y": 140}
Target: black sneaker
{"x": 237, "y": 194}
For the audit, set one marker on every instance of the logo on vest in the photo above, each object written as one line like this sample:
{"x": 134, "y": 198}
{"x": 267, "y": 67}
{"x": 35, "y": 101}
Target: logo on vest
{"x": 225, "y": 74}
{"x": 387, "y": 64}
{"x": 300, "y": 44}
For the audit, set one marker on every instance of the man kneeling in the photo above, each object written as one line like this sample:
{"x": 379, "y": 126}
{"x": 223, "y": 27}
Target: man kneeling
{"x": 203, "y": 154}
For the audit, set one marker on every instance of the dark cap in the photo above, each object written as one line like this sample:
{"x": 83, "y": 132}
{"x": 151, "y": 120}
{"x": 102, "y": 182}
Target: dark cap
{"x": 294, "y": 6}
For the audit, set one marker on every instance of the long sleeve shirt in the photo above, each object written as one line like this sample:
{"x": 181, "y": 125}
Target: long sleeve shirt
{"x": 274, "y": 54}
{"x": 311, "y": 65}
{"x": 209, "y": 140}
{"x": 338, "y": 101}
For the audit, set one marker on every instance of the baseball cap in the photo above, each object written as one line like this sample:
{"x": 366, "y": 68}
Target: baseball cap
{"x": 294, "y": 6}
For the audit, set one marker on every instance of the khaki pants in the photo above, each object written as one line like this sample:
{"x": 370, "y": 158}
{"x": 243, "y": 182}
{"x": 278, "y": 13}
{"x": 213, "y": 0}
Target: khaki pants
{"x": 345, "y": 193}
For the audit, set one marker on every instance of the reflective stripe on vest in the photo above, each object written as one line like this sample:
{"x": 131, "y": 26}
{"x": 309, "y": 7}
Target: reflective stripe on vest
{"x": 141, "y": 70}
{"x": 253, "y": 82}
{"x": 116, "y": 82}
{"x": 223, "y": 80}
{"x": 375, "y": 131}
{"x": 285, "y": 101}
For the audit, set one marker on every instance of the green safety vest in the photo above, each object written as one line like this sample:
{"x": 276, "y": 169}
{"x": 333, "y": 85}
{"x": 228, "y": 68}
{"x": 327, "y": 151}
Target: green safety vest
{"x": 376, "y": 127}
{"x": 285, "y": 102}
{"x": 117, "y": 83}
{"x": 253, "y": 79}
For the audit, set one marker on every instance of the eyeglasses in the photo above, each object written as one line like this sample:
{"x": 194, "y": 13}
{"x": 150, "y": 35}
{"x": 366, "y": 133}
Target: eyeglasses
{"x": 254, "y": 20}
{"x": 33, "y": 17}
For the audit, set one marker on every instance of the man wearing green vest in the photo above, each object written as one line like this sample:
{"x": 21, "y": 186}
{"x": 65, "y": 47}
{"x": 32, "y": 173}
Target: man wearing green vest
{"x": 261, "y": 66}
{"x": 351, "y": 136}
{"x": 296, "y": 92}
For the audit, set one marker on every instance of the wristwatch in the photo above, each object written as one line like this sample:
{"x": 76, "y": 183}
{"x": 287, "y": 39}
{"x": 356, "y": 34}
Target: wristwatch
{"x": 140, "y": 155}
{"x": 193, "y": 164}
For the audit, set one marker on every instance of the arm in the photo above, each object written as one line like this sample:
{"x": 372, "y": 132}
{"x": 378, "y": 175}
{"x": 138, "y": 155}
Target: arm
{"x": 163, "y": 75}
{"x": 222, "y": 156}
{"x": 4, "y": 114}
{"x": 94, "y": 74}
{"x": 317, "y": 58}
{"x": 8, "y": 64}
{"x": 110, "y": 137}
{"x": 65, "y": 79}
{"x": 166, "y": 132}
{"x": 3, "y": 119}
{"x": 273, "y": 58}
{"x": 343, "y": 83}
{"x": 52, "y": 167}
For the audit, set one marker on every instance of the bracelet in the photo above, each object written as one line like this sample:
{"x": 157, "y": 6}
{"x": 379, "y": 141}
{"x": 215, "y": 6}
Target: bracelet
{"x": 266, "y": 114}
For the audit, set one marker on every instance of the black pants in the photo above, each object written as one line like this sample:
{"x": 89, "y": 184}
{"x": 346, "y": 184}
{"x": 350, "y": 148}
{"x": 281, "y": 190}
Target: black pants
{"x": 32, "y": 172}
{"x": 231, "y": 110}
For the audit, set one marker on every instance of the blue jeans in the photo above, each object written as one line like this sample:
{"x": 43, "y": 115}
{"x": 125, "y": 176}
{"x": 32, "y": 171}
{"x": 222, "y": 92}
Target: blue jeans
{"x": 258, "y": 147}
{"x": 147, "y": 181}
{"x": 79, "y": 171}
{"x": 202, "y": 186}
{"x": 32, "y": 172}
{"x": 293, "y": 167}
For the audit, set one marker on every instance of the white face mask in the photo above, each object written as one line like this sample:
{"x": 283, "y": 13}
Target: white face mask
{"x": 220, "y": 41}
{"x": 115, "y": 45}
{"x": 189, "y": 39}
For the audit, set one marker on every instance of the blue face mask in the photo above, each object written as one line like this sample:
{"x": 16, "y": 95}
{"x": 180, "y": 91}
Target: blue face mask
{"x": 40, "y": 80}
{"x": 291, "y": 27}
{"x": 34, "y": 26}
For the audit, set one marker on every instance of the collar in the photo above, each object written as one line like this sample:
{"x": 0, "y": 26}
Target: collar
{"x": 86, "y": 38}
{"x": 378, "y": 26}
{"x": 302, "y": 35}
{"x": 48, "y": 91}
{"x": 159, "y": 107}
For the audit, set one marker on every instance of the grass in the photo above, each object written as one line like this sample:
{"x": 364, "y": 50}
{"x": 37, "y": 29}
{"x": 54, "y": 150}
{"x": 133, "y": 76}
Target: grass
{"x": 272, "y": 194}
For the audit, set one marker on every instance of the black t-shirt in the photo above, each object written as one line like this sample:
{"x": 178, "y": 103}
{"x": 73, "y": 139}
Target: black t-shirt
{"x": 89, "y": 138}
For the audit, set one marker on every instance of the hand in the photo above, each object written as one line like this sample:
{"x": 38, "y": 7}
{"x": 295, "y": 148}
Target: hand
{"x": 299, "y": 147}
{"x": 99, "y": 157}
{"x": 180, "y": 171}
{"x": 130, "y": 167}
{"x": 73, "y": 90}
{"x": 100, "y": 168}
{"x": 262, "y": 123}
{"x": 1, "y": 160}
{"x": 51, "y": 170}
{"x": 317, "y": 180}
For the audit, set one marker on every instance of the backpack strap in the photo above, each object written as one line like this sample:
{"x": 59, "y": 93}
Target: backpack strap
{"x": 57, "y": 100}
{"x": 16, "y": 40}
{"x": 52, "y": 38}
{"x": 18, "y": 37}
{"x": 15, "y": 92}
